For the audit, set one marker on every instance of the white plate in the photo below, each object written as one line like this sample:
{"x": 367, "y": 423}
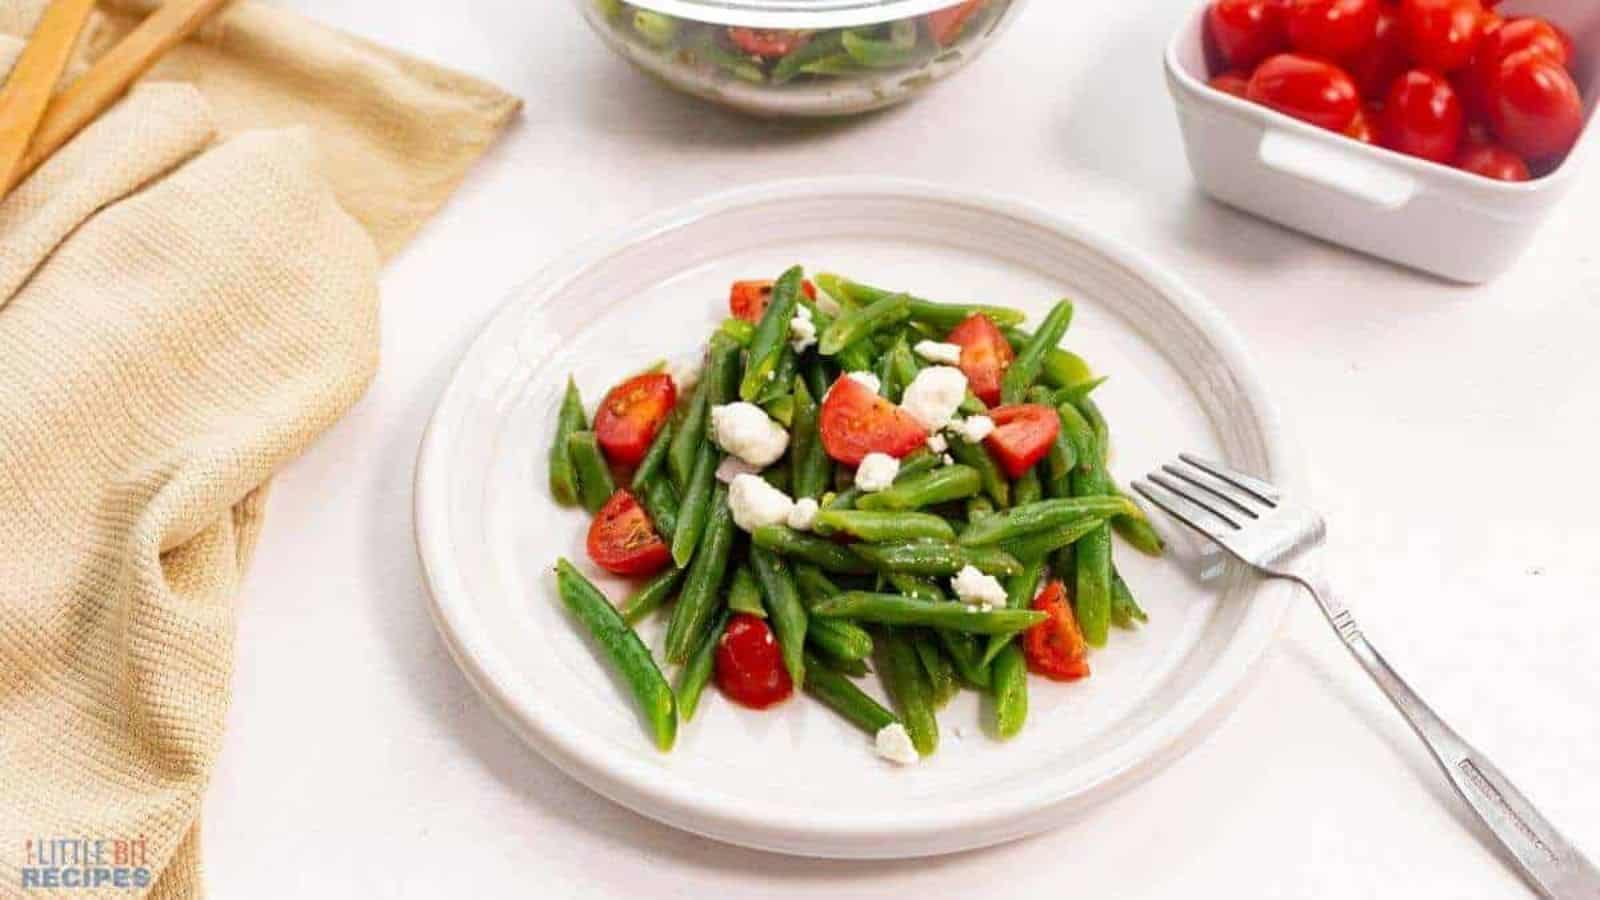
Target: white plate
{"x": 798, "y": 779}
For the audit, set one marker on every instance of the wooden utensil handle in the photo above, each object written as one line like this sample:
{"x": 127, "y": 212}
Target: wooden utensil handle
{"x": 33, "y": 80}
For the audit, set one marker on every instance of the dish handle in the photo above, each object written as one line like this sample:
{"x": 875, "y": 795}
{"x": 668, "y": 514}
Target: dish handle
{"x": 1343, "y": 169}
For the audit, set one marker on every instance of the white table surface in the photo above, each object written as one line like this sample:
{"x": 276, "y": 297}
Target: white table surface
{"x": 1449, "y": 434}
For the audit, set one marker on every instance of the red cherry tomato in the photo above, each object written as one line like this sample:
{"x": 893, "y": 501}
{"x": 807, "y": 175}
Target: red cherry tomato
{"x": 1022, "y": 435}
{"x": 985, "y": 355}
{"x": 945, "y": 25}
{"x": 1232, "y": 82}
{"x": 1246, "y": 31}
{"x": 1423, "y": 116}
{"x": 623, "y": 541}
{"x": 1491, "y": 161}
{"x": 1308, "y": 89}
{"x": 632, "y": 413}
{"x": 1361, "y": 127}
{"x": 769, "y": 43}
{"x": 1335, "y": 29}
{"x": 1536, "y": 110}
{"x": 1376, "y": 67}
{"x": 1055, "y": 648}
{"x": 855, "y": 421}
{"x": 749, "y": 665}
{"x": 1531, "y": 33}
{"x": 747, "y": 300}
{"x": 1441, "y": 34}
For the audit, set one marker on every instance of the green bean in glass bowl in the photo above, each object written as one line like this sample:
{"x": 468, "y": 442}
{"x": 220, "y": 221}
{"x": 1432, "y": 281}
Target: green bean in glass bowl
{"x": 800, "y": 58}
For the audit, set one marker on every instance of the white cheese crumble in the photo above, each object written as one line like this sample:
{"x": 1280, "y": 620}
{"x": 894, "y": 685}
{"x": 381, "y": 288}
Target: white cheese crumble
{"x": 894, "y": 744}
{"x": 745, "y": 430}
{"x": 977, "y": 589}
{"x": 755, "y": 503}
{"x": 938, "y": 352}
{"x": 802, "y": 331}
{"x": 876, "y": 472}
{"x": 804, "y": 515}
{"x": 947, "y": 460}
{"x": 937, "y": 443}
{"x": 933, "y": 396}
{"x": 973, "y": 429}
{"x": 866, "y": 380}
{"x": 732, "y": 467}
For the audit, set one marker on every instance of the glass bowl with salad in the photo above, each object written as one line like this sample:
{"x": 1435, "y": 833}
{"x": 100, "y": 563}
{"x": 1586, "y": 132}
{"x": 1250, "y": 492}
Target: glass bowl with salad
{"x": 800, "y": 57}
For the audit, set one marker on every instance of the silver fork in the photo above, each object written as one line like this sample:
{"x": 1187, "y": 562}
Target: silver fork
{"x": 1251, "y": 520}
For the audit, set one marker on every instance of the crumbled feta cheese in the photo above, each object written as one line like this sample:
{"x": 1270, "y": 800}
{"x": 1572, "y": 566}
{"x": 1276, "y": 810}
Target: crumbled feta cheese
{"x": 947, "y": 460}
{"x": 866, "y": 380}
{"x": 755, "y": 503}
{"x": 894, "y": 744}
{"x": 745, "y": 430}
{"x": 732, "y": 467}
{"x": 827, "y": 304}
{"x": 973, "y": 429}
{"x": 804, "y": 515}
{"x": 977, "y": 589}
{"x": 876, "y": 472}
{"x": 934, "y": 351}
{"x": 937, "y": 443}
{"x": 802, "y": 331}
{"x": 933, "y": 396}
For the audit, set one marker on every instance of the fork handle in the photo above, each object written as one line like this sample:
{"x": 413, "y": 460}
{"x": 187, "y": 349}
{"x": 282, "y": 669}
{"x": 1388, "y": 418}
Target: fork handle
{"x": 1554, "y": 867}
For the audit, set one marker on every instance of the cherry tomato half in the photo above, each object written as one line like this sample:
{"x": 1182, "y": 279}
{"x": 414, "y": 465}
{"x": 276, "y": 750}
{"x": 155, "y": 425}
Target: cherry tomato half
{"x": 1022, "y": 435}
{"x": 1491, "y": 161}
{"x": 632, "y": 413}
{"x": 1422, "y": 116}
{"x": 1246, "y": 31}
{"x": 1233, "y": 82}
{"x": 1308, "y": 89}
{"x": 768, "y": 43}
{"x": 854, "y": 421}
{"x": 945, "y": 25}
{"x": 747, "y": 300}
{"x": 1536, "y": 109}
{"x": 623, "y": 541}
{"x": 1335, "y": 29}
{"x": 1055, "y": 648}
{"x": 1376, "y": 67}
{"x": 985, "y": 355}
{"x": 1441, "y": 34}
{"x": 749, "y": 666}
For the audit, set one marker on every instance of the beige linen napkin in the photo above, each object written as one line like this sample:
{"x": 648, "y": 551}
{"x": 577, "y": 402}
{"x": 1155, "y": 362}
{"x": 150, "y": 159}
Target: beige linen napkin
{"x": 188, "y": 297}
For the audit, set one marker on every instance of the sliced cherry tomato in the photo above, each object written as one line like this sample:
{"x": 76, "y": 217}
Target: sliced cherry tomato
{"x": 1309, "y": 89}
{"x": 1335, "y": 29}
{"x": 1423, "y": 116}
{"x": 1055, "y": 648}
{"x": 631, "y": 415}
{"x": 1246, "y": 32}
{"x": 1441, "y": 34}
{"x": 749, "y": 666}
{"x": 1362, "y": 127}
{"x": 985, "y": 355}
{"x": 855, "y": 421}
{"x": 1233, "y": 82}
{"x": 1376, "y": 67}
{"x": 747, "y": 300}
{"x": 1491, "y": 161}
{"x": 768, "y": 43}
{"x": 1536, "y": 110}
{"x": 946, "y": 24}
{"x": 622, "y": 540}
{"x": 1022, "y": 435}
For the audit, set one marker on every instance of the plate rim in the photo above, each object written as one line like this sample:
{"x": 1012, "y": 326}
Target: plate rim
{"x": 881, "y": 836}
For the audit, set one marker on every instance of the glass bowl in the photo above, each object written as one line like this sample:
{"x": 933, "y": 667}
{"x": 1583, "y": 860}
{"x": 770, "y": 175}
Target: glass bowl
{"x": 800, "y": 57}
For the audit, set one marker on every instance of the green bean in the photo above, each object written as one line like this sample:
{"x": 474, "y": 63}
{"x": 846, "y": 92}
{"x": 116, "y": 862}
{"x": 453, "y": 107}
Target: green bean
{"x": 815, "y": 587}
{"x": 696, "y": 673}
{"x": 694, "y": 505}
{"x": 818, "y": 379}
{"x": 701, "y": 596}
{"x": 852, "y": 327}
{"x": 1076, "y": 392}
{"x": 989, "y": 475}
{"x": 837, "y": 64}
{"x": 881, "y": 370}
{"x": 1064, "y": 565}
{"x": 744, "y": 595}
{"x": 781, "y": 409}
{"x": 1125, "y": 610}
{"x": 898, "y": 609}
{"x": 772, "y": 334}
{"x": 822, "y": 45}
{"x": 898, "y": 50}
{"x": 654, "y": 458}
{"x": 1042, "y": 544}
{"x": 1138, "y": 531}
{"x": 808, "y": 459}
{"x": 979, "y": 506}
{"x": 660, "y": 501}
{"x": 622, "y": 649}
{"x": 1027, "y": 488}
{"x": 964, "y": 651}
{"x": 908, "y": 687}
{"x": 835, "y": 286}
{"x": 1092, "y": 552}
{"x": 857, "y": 357}
{"x": 855, "y": 668}
{"x": 841, "y": 695}
{"x": 885, "y": 526}
{"x": 1024, "y": 369}
{"x": 925, "y": 489}
{"x": 691, "y": 435}
{"x": 594, "y": 476}
{"x": 781, "y": 382}
{"x": 651, "y": 596}
{"x": 1079, "y": 434}
{"x": 900, "y": 368}
{"x": 839, "y": 639}
{"x": 1062, "y": 458}
{"x": 926, "y": 557}
{"x": 1041, "y": 515}
{"x": 1009, "y": 681}
{"x": 778, "y": 477}
{"x": 1061, "y": 368}
{"x": 971, "y": 405}
{"x": 1020, "y": 591}
{"x": 738, "y": 330}
{"x": 911, "y": 466}
{"x": 919, "y": 588}
{"x": 656, "y": 29}
{"x": 940, "y": 671}
{"x": 563, "y": 477}
{"x": 809, "y": 548}
{"x": 943, "y": 316}
{"x": 784, "y": 606}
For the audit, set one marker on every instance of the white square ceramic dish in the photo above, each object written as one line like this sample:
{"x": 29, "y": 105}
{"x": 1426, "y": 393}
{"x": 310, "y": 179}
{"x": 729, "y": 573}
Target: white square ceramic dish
{"x": 1404, "y": 209}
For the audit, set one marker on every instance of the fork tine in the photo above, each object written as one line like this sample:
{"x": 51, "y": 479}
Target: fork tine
{"x": 1263, "y": 491}
{"x": 1197, "y": 497}
{"x": 1243, "y": 501}
{"x": 1190, "y": 514}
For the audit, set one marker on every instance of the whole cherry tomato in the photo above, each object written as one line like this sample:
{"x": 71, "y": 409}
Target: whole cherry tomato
{"x": 749, "y": 666}
{"x": 1309, "y": 89}
{"x": 1335, "y": 29}
{"x": 1376, "y": 67}
{"x": 1441, "y": 34}
{"x": 985, "y": 355}
{"x": 1246, "y": 31}
{"x": 1530, "y": 33}
{"x": 632, "y": 413}
{"x": 1536, "y": 109}
{"x": 1022, "y": 435}
{"x": 854, "y": 421}
{"x": 1233, "y": 82}
{"x": 623, "y": 541}
{"x": 1422, "y": 116}
{"x": 1055, "y": 648}
{"x": 1491, "y": 161}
